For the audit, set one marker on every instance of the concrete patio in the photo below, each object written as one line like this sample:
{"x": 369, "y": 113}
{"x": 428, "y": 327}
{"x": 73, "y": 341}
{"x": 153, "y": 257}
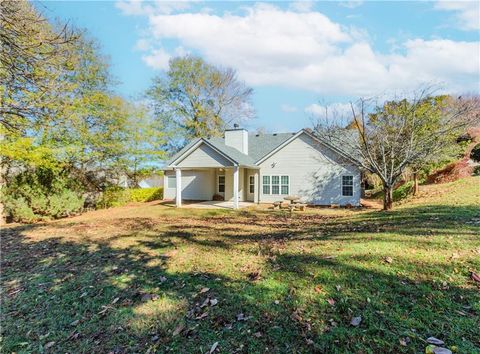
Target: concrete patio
{"x": 212, "y": 204}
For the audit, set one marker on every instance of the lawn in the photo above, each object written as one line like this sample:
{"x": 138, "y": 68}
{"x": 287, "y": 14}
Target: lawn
{"x": 149, "y": 277}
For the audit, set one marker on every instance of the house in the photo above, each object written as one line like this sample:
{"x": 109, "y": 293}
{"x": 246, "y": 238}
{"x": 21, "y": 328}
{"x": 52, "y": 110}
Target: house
{"x": 263, "y": 168}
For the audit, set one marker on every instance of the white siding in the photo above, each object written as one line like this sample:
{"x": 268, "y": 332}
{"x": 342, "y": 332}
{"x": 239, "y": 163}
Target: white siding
{"x": 196, "y": 185}
{"x": 315, "y": 173}
{"x": 204, "y": 156}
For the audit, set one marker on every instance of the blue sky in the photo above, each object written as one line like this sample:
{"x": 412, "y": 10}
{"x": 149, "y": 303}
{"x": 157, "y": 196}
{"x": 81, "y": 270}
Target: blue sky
{"x": 298, "y": 56}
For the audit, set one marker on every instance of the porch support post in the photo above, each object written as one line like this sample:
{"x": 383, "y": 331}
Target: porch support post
{"x": 178, "y": 187}
{"x": 256, "y": 194}
{"x": 235, "y": 187}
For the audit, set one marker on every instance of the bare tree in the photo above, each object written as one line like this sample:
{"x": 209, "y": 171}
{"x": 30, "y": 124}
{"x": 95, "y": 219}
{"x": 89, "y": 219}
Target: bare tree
{"x": 400, "y": 133}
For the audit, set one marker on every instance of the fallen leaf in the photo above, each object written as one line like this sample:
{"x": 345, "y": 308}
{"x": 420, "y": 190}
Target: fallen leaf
{"x": 115, "y": 300}
{"x": 205, "y": 303}
{"x": 436, "y": 341}
{"x": 356, "y": 321}
{"x": 338, "y": 287}
{"x": 179, "y": 329}
{"x": 388, "y": 259}
{"x": 203, "y": 315}
{"x": 404, "y": 341}
{"x": 441, "y": 350}
{"x": 241, "y": 317}
{"x": 204, "y": 290}
{"x": 331, "y": 301}
{"x": 49, "y": 345}
{"x": 213, "y": 302}
{"x": 163, "y": 279}
{"x": 475, "y": 277}
{"x": 214, "y": 347}
{"x": 74, "y": 323}
{"x": 318, "y": 288}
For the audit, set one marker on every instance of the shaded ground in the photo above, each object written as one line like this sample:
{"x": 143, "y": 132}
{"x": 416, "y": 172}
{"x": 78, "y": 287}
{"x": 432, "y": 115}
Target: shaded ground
{"x": 134, "y": 279}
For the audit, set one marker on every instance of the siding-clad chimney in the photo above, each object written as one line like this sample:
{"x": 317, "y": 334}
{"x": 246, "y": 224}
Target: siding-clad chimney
{"x": 237, "y": 138}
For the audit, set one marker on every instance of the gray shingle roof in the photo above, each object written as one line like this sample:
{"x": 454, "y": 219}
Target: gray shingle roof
{"x": 259, "y": 145}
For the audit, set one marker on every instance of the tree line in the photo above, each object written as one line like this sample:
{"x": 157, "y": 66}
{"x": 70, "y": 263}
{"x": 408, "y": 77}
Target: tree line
{"x": 67, "y": 135}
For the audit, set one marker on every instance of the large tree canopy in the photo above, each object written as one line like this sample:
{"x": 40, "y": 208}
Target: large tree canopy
{"x": 197, "y": 99}
{"x": 401, "y": 133}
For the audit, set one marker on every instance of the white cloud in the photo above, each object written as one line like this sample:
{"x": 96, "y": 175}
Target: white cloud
{"x": 157, "y": 59}
{"x": 467, "y": 12}
{"x": 271, "y": 46}
{"x": 331, "y": 111}
{"x": 288, "y": 108}
{"x": 140, "y": 7}
{"x": 351, "y": 4}
{"x": 302, "y": 5}
{"x": 143, "y": 45}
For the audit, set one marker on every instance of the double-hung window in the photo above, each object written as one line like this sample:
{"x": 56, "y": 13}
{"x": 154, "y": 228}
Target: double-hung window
{"x": 276, "y": 185}
{"x": 251, "y": 184}
{"x": 285, "y": 184}
{"x": 266, "y": 184}
{"x": 221, "y": 184}
{"x": 347, "y": 186}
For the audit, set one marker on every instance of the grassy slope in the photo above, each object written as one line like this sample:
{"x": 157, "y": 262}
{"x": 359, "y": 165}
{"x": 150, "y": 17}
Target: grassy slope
{"x": 61, "y": 281}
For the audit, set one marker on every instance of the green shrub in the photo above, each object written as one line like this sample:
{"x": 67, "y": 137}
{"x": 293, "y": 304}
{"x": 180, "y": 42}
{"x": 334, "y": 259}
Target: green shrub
{"x": 116, "y": 196}
{"x": 475, "y": 153}
{"x": 146, "y": 194}
{"x": 39, "y": 194}
{"x": 113, "y": 197}
{"x": 403, "y": 191}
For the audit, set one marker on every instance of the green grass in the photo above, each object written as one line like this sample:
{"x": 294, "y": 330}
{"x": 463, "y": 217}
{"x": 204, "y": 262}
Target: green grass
{"x": 81, "y": 282}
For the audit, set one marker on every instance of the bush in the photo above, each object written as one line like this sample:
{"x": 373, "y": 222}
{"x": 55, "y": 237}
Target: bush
{"x": 146, "y": 194}
{"x": 475, "y": 153}
{"x": 116, "y": 196}
{"x": 113, "y": 197}
{"x": 41, "y": 194}
{"x": 403, "y": 191}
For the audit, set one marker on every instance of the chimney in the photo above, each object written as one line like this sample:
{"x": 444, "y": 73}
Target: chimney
{"x": 237, "y": 138}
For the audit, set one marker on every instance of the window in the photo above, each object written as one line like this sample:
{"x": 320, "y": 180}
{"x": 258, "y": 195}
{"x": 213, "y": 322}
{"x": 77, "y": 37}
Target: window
{"x": 347, "y": 186}
{"x": 221, "y": 184}
{"x": 266, "y": 184}
{"x": 276, "y": 185}
{"x": 285, "y": 184}
{"x": 171, "y": 182}
{"x": 251, "y": 184}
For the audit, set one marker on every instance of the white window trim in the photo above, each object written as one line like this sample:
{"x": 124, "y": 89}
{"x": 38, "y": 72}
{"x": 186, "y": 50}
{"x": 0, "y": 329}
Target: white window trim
{"x": 279, "y": 185}
{"x": 345, "y": 185}
{"x": 224, "y": 183}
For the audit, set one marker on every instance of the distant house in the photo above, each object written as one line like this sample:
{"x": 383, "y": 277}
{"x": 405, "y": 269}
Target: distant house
{"x": 263, "y": 168}
{"x": 154, "y": 180}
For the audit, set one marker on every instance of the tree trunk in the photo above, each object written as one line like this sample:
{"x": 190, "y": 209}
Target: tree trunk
{"x": 415, "y": 183}
{"x": 387, "y": 198}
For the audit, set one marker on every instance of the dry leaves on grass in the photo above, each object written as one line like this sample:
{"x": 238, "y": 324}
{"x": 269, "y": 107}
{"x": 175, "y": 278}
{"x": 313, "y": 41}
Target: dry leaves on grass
{"x": 356, "y": 321}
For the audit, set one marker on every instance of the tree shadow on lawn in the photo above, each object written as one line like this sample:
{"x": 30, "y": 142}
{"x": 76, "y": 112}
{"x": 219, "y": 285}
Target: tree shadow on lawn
{"x": 50, "y": 284}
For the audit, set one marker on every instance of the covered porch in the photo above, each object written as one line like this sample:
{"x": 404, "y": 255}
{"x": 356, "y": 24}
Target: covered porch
{"x": 225, "y": 187}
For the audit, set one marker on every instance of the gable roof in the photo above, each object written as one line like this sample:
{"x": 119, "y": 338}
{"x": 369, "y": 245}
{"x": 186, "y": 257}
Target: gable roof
{"x": 260, "y": 146}
{"x": 219, "y": 146}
